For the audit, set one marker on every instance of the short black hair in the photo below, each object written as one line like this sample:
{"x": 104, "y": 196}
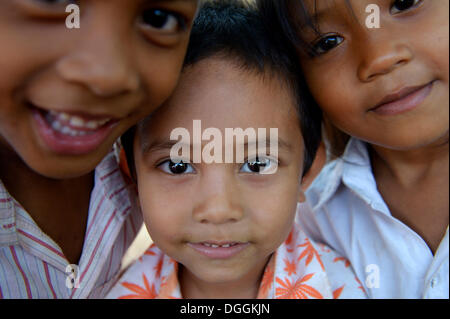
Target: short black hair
{"x": 234, "y": 29}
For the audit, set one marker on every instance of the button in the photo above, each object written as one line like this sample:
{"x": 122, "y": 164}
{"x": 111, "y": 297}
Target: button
{"x": 433, "y": 282}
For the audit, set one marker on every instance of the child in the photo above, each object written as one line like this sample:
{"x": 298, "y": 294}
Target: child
{"x": 226, "y": 230}
{"x": 66, "y": 95}
{"x": 384, "y": 203}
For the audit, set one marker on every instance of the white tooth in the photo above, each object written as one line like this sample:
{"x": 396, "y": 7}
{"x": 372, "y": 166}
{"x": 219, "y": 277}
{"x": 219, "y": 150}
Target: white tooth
{"x": 56, "y": 125}
{"x": 226, "y": 246}
{"x": 92, "y": 125}
{"x": 77, "y": 121}
{"x": 214, "y": 246}
{"x": 64, "y": 116}
{"x": 65, "y": 130}
{"x": 102, "y": 122}
{"x": 206, "y": 244}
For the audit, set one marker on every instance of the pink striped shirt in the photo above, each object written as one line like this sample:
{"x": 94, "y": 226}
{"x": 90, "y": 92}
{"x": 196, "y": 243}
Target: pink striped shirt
{"x": 32, "y": 265}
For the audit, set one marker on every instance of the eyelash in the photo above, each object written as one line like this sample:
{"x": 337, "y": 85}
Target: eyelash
{"x": 152, "y": 19}
{"x": 168, "y": 162}
{"x": 316, "y": 52}
{"x": 324, "y": 37}
{"x": 168, "y": 16}
{"x": 416, "y": 3}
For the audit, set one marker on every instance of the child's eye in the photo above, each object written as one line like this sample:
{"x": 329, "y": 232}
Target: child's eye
{"x": 259, "y": 166}
{"x": 327, "y": 43}
{"x": 162, "y": 20}
{"x": 178, "y": 168}
{"x": 403, "y": 5}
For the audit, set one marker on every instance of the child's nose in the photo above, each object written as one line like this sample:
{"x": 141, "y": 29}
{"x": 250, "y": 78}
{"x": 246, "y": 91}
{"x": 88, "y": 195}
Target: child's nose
{"x": 102, "y": 64}
{"x": 381, "y": 55}
{"x": 219, "y": 203}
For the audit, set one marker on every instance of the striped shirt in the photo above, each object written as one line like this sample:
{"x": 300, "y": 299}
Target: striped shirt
{"x": 32, "y": 265}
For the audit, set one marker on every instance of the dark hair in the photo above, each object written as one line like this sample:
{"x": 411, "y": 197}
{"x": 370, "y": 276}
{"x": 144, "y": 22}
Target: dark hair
{"x": 234, "y": 30}
{"x": 287, "y": 17}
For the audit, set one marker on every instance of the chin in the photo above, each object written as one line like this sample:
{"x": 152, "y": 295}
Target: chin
{"x": 63, "y": 169}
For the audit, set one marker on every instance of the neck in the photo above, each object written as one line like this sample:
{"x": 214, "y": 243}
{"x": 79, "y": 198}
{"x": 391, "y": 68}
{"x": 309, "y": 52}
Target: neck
{"x": 411, "y": 166}
{"x": 414, "y": 184}
{"x": 193, "y": 287}
{"x": 59, "y": 207}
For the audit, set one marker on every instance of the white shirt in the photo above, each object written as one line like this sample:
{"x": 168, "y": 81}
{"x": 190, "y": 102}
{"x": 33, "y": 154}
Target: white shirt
{"x": 349, "y": 214}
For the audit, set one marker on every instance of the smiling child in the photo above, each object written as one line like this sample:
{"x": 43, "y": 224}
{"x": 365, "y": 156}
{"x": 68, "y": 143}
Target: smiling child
{"x": 384, "y": 203}
{"x": 66, "y": 96}
{"x": 226, "y": 230}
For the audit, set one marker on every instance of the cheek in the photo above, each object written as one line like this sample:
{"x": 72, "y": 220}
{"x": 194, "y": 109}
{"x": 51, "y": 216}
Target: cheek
{"x": 273, "y": 212}
{"x": 165, "y": 209}
{"x": 160, "y": 74}
{"x": 327, "y": 85}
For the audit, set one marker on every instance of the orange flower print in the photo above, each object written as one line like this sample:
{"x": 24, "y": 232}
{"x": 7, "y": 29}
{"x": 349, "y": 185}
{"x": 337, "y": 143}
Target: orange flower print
{"x": 290, "y": 267}
{"x": 360, "y": 285}
{"x": 141, "y": 293}
{"x": 148, "y": 252}
{"x": 267, "y": 280}
{"x": 324, "y": 248}
{"x": 309, "y": 252}
{"x": 288, "y": 242}
{"x": 337, "y": 292}
{"x": 345, "y": 260}
{"x": 158, "y": 267}
{"x": 297, "y": 290}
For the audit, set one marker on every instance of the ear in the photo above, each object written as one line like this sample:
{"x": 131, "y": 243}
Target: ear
{"x": 316, "y": 167}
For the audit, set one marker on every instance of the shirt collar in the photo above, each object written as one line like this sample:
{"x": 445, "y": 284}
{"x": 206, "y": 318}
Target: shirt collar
{"x": 353, "y": 169}
{"x": 8, "y": 235}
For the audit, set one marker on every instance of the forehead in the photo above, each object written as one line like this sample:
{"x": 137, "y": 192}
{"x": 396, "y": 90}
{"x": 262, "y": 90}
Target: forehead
{"x": 222, "y": 95}
{"x": 320, "y": 10}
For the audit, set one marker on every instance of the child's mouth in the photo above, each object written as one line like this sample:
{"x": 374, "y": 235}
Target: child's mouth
{"x": 73, "y": 125}
{"x": 218, "y": 250}
{"x": 69, "y": 134}
{"x": 405, "y": 100}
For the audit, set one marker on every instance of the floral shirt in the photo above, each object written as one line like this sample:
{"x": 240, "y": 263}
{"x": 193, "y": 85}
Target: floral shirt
{"x": 299, "y": 269}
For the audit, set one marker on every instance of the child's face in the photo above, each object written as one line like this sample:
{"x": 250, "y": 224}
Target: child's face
{"x": 206, "y": 204}
{"x": 67, "y": 94}
{"x": 388, "y": 86}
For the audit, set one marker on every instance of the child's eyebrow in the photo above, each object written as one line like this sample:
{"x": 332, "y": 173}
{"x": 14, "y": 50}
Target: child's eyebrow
{"x": 319, "y": 14}
{"x": 267, "y": 143}
{"x": 148, "y": 147}
{"x": 153, "y": 146}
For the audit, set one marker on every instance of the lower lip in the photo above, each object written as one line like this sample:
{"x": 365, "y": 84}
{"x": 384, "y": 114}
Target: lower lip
{"x": 406, "y": 103}
{"x": 219, "y": 252}
{"x": 70, "y": 145}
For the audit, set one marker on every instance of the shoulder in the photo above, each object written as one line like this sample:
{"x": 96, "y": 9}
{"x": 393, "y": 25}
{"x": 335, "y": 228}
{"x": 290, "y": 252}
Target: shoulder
{"x": 140, "y": 280}
{"x": 337, "y": 269}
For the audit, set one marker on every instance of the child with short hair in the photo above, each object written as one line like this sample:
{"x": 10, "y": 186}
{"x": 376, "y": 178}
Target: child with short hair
{"x": 384, "y": 203}
{"x": 66, "y": 96}
{"x": 225, "y": 229}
